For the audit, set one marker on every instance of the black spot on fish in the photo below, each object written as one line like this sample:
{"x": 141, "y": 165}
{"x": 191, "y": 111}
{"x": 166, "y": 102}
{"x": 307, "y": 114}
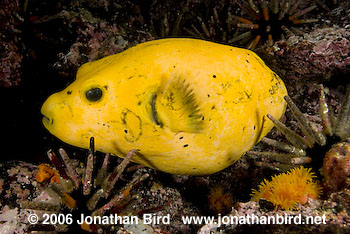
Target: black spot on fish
{"x": 214, "y": 76}
{"x": 139, "y": 103}
{"x": 208, "y": 95}
{"x": 69, "y": 92}
{"x": 247, "y": 60}
{"x": 254, "y": 127}
{"x": 203, "y": 118}
{"x": 213, "y": 107}
{"x": 106, "y": 87}
{"x": 185, "y": 145}
{"x": 181, "y": 138}
{"x": 126, "y": 131}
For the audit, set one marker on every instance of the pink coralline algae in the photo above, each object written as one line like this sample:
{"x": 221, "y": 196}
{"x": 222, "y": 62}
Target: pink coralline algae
{"x": 97, "y": 38}
{"x": 333, "y": 50}
{"x": 93, "y": 43}
{"x": 320, "y": 54}
{"x": 10, "y": 52}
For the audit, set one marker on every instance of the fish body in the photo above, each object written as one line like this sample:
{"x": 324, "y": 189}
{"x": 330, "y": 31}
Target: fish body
{"x": 189, "y": 106}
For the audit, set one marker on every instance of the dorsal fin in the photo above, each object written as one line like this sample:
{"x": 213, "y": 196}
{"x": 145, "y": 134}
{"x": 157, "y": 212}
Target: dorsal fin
{"x": 177, "y": 107}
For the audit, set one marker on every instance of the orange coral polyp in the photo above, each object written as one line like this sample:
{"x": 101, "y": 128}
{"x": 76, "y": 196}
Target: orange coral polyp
{"x": 46, "y": 172}
{"x": 286, "y": 190}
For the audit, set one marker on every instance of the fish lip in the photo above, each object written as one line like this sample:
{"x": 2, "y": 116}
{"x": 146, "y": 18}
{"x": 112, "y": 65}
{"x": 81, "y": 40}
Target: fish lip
{"x": 47, "y": 121}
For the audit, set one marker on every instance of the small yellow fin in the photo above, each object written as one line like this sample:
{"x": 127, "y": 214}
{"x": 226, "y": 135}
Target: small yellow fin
{"x": 177, "y": 107}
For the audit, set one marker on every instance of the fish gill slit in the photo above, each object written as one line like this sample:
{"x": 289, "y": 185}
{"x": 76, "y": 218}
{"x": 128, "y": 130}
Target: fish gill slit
{"x": 154, "y": 110}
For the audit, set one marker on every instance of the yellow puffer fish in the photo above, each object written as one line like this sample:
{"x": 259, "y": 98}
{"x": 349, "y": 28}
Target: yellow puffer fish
{"x": 189, "y": 106}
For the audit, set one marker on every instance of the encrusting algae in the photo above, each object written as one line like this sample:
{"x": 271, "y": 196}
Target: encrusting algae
{"x": 288, "y": 189}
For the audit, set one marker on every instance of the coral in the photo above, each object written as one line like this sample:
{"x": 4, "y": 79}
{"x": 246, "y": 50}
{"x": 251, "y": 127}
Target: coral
{"x": 18, "y": 183}
{"x": 19, "y": 186}
{"x": 336, "y": 167}
{"x": 286, "y": 190}
{"x": 317, "y": 141}
{"x": 95, "y": 40}
{"x": 63, "y": 195}
{"x": 91, "y": 29}
{"x": 220, "y": 202}
{"x": 162, "y": 200}
{"x": 321, "y": 54}
{"x": 337, "y": 208}
{"x": 46, "y": 172}
{"x": 13, "y": 220}
{"x": 333, "y": 218}
{"x": 68, "y": 34}
{"x": 84, "y": 190}
{"x": 10, "y": 44}
{"x": 99, "y": 188}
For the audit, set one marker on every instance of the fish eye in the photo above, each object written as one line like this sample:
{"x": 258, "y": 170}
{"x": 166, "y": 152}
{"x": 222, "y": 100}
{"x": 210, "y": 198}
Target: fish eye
{"x": 94, "y": 94}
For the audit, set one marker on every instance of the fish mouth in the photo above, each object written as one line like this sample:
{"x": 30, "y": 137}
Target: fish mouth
{"x": 47, "y": 121}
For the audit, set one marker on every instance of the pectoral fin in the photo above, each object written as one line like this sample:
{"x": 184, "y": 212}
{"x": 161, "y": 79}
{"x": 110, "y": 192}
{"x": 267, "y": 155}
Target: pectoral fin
{"x": 175, "y": 106}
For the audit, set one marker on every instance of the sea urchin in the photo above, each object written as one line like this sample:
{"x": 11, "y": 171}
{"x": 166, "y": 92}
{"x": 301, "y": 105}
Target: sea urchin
{"x": 269, "y": 21}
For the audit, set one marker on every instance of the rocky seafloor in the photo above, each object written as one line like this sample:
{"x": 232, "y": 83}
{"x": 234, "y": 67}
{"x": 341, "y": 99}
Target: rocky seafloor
{"x": 43, "y": 44}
